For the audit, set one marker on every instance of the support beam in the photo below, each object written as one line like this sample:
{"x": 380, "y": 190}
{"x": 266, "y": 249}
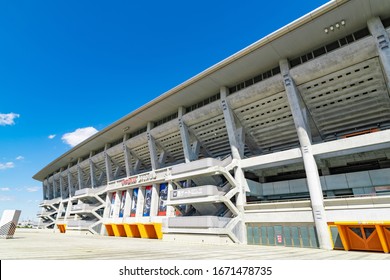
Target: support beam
{"x": 92, "y": 172}
{"x": 70, "y": 183}
{"x": 61, "y": 182}
{"x": 237, "y": 145}
{"x": 51, "y": 188}
{"x": 128, "y": 157}
{"x": 313, "y": 178}
{"x": 152, "y": 148}
{"x": 185, "y": 138}
{"x": 236, "y": 137}
{"x": 382, "y": 40}
{"x": 80, "y": 177}
{"x": 54, "y": 186}
{"x": 108, "y": 165}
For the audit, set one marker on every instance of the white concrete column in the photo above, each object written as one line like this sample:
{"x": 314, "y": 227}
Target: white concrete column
{"x": 51, "y": 188}
{"x": 235, "y": 135}
{"x": 155, "y": 199}
{"x": 152, "y": 148}
{"x": 382, "y": 40}
{"x": 236, "y": 139}
{"x": 45, "y": 190}
{"x": 312, "y": 176}
{"x": 80, "y": 175}
{"x": 185, "y": 137}
{"x": 68, "y": 209}
{"x": 170, "y": 209}
{"x": 117, "y": 204}
{"x": 127, "y": 156}
{"x": 92, "y": 172}
{"x": 68, "y": 175}
{"x": 140, "y": 202}
{"x": 61, "y": 182}
{"x": 108, "y": 164}
{"x": 129, "y": 193}
{"x": 54, "y": 186}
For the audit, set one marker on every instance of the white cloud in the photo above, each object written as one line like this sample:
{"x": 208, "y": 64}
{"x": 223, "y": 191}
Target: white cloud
{"x": 77, "y": 136}
{"x": 33, "y": 189}
{"x": 8, "y": 119}
{"x": 20, "y": 158}
{"x": 5, "y": 198}
{"x": 6, "y": 165}
{"x": 4, "y": 189}
{"x": 51, "y": 136}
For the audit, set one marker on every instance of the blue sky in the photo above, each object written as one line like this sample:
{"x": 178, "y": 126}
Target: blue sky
{"x": 70, "y": 68}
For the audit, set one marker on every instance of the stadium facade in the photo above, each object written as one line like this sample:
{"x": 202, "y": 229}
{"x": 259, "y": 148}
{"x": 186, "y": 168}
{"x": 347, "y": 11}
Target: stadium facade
{"x": 285, "y": 143}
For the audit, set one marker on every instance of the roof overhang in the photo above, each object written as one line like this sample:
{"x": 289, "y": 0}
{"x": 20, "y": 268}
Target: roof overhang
{"x": 302, "y": 35}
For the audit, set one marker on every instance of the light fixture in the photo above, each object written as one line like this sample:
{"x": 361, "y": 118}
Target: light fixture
{"x": 332, "y": 27}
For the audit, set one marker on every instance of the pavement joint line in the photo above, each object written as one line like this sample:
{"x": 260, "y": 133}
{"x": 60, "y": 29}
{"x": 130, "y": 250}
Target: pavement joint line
{"x": 46, "y": 245}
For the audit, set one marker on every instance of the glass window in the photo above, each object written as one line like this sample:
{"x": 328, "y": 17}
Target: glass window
{"x": 368, "y": 231}
{"x": 357, "y": 231}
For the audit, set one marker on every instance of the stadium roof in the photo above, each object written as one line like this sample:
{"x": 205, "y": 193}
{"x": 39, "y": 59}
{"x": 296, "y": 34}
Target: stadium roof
{"x": 236, "y": 68}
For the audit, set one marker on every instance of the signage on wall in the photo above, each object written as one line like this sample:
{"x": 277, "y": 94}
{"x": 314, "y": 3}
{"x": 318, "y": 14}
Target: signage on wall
{"x": 147, "y": 177}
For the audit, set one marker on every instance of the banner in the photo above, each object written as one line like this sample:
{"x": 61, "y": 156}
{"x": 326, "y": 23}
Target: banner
{"x": 148, "y": 201}
{"x": 134, "y": 199}
{"x": 162, "y": 207}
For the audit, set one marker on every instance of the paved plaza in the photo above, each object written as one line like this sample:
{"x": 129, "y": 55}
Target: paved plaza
{"x": 31, "y": 244}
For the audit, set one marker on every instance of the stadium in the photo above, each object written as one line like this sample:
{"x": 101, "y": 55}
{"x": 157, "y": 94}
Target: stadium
{"x": 285, "y": 143}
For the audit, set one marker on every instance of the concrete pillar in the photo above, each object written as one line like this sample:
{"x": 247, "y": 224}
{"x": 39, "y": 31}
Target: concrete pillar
{"x": 80, "y": 178}
{"x": 152, "y": 148}
{"x": 185, "y": 137}
{"x": 45, "y": 190}
{"x": 51, "y": 188}
{"x": 170, "y": 209}
{"x": 236, "y": 140}
{"x": 155, "y": 199}
{"x": 312, "y": 176}
{"x": 235, "y": 135}
{"x": 70, "y": 181}
{"x": 92, "y": 171}
{"x": 61, "y": 182}
{"x": 382, "y": 40}
{"x": 54, "y": 186}
{"x": 108, "y": 164}
{"x": 140, "y": 202}
{"x": 156, "y": 162}
{"x": 127, "y": 156}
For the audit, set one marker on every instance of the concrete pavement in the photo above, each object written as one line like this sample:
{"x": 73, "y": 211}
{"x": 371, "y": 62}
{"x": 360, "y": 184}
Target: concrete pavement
{"x": 32, "y": 244}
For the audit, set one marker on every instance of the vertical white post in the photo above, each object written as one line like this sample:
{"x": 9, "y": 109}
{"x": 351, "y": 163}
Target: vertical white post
{"x": 382, "y": 40}
{"x": 237, "y": 149}
{"x": 312, "y": 176}
{"x": 108, "y": 164}
{"x": 80, "y": 178}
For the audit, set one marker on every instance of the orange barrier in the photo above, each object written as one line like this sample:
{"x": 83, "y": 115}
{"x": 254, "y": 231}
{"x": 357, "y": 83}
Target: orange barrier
{"x": 132, "y": 230}
{"x": 364, "y": 236}
{"x": 109, "y": 229}
{"x": 136, "y": 230}
{"x": 62, "y": 228}
{"x": 150, "y": 231}
{"x": 119, "y": 230}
